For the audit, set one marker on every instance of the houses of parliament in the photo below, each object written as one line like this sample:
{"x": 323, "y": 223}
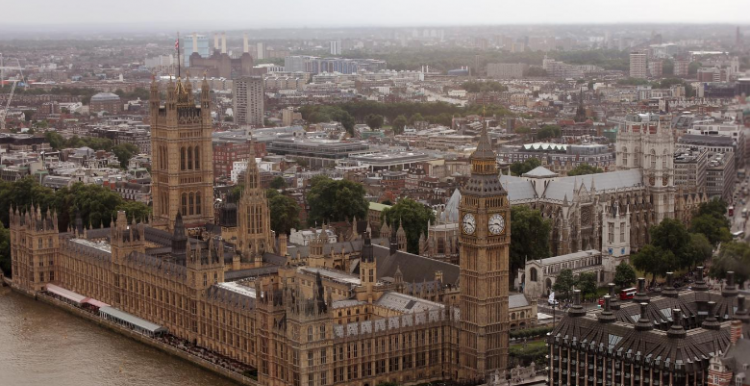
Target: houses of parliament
{"x": 355, "y": 312}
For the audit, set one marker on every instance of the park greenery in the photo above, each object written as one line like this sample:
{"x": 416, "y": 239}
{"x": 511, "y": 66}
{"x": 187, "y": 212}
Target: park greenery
{"x": 399, "y": 124}
{"x": 97, "y": 206}
{"x": 358, "y": 111}
{"x": 566, "y": 282}
{"x": 674, "y": 246}
{"x": 584, "y": 169}
{"x": 413, "y": 216}
{"x": 335, "y": 200}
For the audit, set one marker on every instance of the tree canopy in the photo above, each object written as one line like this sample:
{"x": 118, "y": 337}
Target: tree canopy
{"x": 96, "y": 204}
{"x": 278, "y": 183}
{"x": 58, "y": 142}
{"x": 284, "y": 212}
{"x": 564, "y": 284}
{"x": 413, "y": 216}
{"x": 733, "y": 256}
{"x": 584, "y": 169}
{"x": 519, "y": 168}
{"x": 335, "y": 200}
{"x": 124, "y": 152}
{"x": 374, "y": 121}
{"x": 489, "y": 86}
{"x": 625, "y": 275}
{"x": 398, "y": 124}
{"x": 548, "y": 132}
{"x": 529, "y": 237}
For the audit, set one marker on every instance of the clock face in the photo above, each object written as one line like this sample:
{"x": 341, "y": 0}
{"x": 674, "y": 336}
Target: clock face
{"x": 469, "y": 224}
{"x": 496, "y": 224}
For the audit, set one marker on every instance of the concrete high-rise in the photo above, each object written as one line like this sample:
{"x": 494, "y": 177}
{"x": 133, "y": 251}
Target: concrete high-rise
{"x": 638, "y": 68}
{"x": 335, "y": 47}
{"x": 247, "y": 101}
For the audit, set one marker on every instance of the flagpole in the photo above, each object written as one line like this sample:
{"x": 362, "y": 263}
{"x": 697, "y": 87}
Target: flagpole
{"x": 177, "y": 46}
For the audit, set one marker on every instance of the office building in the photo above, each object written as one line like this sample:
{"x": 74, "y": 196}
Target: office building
{"x": 107, "y": 102}
{"x": 248, "y": 101}
{"x": 667, "y": 339}
{"x": 335, "y": 47}
{"x": 690, "y": 167}
{"x": 506, "y": 70}
{"x": 656, "y": 68}
{"x": 638, "y": 68}
{"x": 720, "y": 176}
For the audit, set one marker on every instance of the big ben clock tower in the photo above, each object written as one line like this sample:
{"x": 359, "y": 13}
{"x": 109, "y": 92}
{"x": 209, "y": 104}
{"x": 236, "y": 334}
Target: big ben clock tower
{"x": 485, "y": 240}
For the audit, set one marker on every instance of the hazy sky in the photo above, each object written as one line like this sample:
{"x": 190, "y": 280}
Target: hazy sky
{"x": 50, "y": 14}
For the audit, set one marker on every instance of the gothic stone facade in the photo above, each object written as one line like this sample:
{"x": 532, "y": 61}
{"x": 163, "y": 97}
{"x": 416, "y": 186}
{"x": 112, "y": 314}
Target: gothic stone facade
{"x": 359, "y": 315}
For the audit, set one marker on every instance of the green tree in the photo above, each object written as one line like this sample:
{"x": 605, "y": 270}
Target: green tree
{"x": 715, "y": 207}
{"x": 584, "y": 169}
{"x": 586, "y": 282}
{"x": 519, "y": 168}
{"x": 398, "y": 124}
{"x": 278, "y": 183}
{"x": 417, "y": 117}
{"x": 134, "y": 210}
{"x": 22, "y": 194}
{"x": 375, "y": 121}
{"x": 733, "y": 256}
{"x": 671, "y": 235}
{"x": 715, "y": 229}
{"x": 284, "y": 212}
{"x": 413, "y": 216}
{"x": 56, "y": 141}
{"x": 564, "y": 284}
{"x": 625, "y": 275}
{"x": 124, "y": 152}
{"x": 700, "y": 249}
{"x": 654, "y": 260}
{"x": 331, "y": 200}
{"x": 548, "y": 132}
{"x": 97, "y": 205}
{"x": 529, "y": 239}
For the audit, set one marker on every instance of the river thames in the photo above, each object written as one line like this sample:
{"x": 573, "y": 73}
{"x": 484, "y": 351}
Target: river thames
{"x": 41, "y": 345}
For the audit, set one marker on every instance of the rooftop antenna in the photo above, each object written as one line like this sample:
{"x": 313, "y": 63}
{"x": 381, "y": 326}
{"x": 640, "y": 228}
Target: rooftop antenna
{"x": 177, "y": 47}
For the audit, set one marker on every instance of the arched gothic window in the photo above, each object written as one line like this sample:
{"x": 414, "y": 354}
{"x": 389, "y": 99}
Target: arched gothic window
{"x": 184, "y": 204}
{"x": 190, "y": 158}
{"x": 197, "y": 158}
{"x": 624, "y": 156}
{"x": 198, "y": 203}
{"x": 191, "y": 206}
{"x": 653, "y": 159}
{"x": 182, "y": 158}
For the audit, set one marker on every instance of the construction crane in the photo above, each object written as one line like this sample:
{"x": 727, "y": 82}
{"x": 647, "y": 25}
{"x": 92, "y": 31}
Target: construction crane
{"x": 4, "y": 112}
{"x": 17, "y": 67}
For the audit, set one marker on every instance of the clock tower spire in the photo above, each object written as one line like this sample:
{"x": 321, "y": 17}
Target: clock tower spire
{"x": 485, "y": 240}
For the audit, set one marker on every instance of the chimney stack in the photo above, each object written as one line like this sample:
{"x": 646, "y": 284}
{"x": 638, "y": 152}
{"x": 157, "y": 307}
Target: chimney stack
{"x": 676, "y": 330}
{"x": 614, "y": 303}
{"x": 216, "y": 41}
{"x": 641, "y": 296}
{"x": 223, "y": 42}
{"x": 195, "y": 42}
{"x": 245, "y": 46}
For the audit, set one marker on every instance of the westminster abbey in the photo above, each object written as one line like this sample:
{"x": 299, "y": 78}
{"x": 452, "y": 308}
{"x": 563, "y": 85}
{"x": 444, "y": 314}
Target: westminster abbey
{"x": 358, "y": 312}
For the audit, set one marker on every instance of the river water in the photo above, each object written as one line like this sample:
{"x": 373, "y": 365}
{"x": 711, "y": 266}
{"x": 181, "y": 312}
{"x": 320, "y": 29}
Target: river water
{"x": 42, "y": 345}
